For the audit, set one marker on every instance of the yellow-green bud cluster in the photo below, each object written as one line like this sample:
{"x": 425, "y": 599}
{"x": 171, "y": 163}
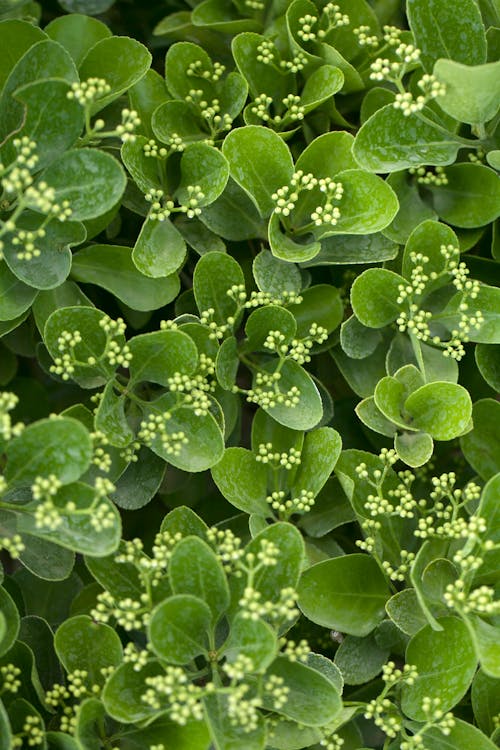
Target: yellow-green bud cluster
{"x": 129, "y": 613}
{"x": 14, "y": 545}
{"x": 173, "y": 692}
{"x": 9, "y": 675}
{"x": 8, "y": 402}
{"x": 480, "y": 600}
{"x": 425, "y": 176}
{"x": 365, "y": 39}
{"x": 130, "y": 121}
{"x": 138, "y": 657}
{"x": 285, "y": 198}
{"x": 89, "y": 91}
{"x": 196, "y": 68}
{"x": 312, "y": 28}
{"x": 295, "y": 651}
{"x": 31, "y": 735}
{"x": 227, "y": 547}
{"x": 286, "y": 459}
{"x": 286, "y": 508}
{"x": 155, "y": 427}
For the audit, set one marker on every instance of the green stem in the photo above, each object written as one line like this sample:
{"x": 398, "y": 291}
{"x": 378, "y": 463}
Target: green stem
{"x": 417, "y": 350}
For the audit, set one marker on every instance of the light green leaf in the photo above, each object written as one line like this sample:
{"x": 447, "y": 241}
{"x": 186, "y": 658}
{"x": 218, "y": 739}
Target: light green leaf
{"x": 313, "y": 700}
{"x": 59, "y": 446}
{"x": 462, "y": 736}
{"x": 463, "y": 39}
{"x": 91, "y": 181}
{"x": 345, "y": 593}
{"x": 320, "y": 451}
{"x": 360, "y": 659}
{"x": 206, "y": 167}
{"x": 389, "y": 141}
{"x": 445, "y": 662}
{"x": 179, "y": 628}
{"x": 358, "y": 341}
{"x": 214, "y": 275}
{"x": 252, "y": 638}
{"x": 472, "y": 92}
{"x": 485, "y": 696}
{"x": 78, "y": 33}
{"x": 471, "y": 197}
{"x": 442, "y": 409}
{"x": 488, "y": 363}
{"x": 242, "y": 480}
{"x": 15, "y": 296}
{"x": 19, "y": 36}
{"x": 160, "y": 249}
{"x": 81, "y": 643}
{"x": 487, "y": 642}
{"x": 275, "y": 276}
{"x": 121, "y": 61}
{"x": 308, "y": 412}
{"x": 112, "y": 268}
{"x": 122, "y": 694}
{"x": 414, "y": 448}
{"x": 194, "y": 569}
{"x": 488, "y": 302}
{"x": 374, "y": 297}
{"x": 260, "y": 162}
{"x": 157, "y": 356}
{"x": 404, "y": 610}
{"x": 110, "y": 418}
{"x": 11, "y": 618}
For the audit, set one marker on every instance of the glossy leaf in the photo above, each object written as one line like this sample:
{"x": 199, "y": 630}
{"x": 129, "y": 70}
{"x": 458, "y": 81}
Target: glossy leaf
{"x": 179, "y": 628}
{"x": 194, "y": 569}
{"x": 242, "y": 480}
{"x": 443, "y": 410}
{"x": 445, "y": 662}
{"x": 346, "y": 593}
{"x": 83, "y": 644}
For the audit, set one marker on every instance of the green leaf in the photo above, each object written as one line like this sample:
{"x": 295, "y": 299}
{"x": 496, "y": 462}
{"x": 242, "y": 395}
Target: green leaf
{"x": 205, "y": 166}
{"x": 404, "y": 610}
{"x": 122, "y": 694}
{"x": 110, "y": 417}
{"x": 50, "y": 269}
{"x": 205, "y": 441}
{"x": 234, "y": 215}
{"x": 285, "y": 248}
{"x": 120, "y": 579}
{"x": 86, "y": 320}
{"x": 160, "y": 249}
{"x": 414, "y": 448}
{"x": 442, "y": 409}
{"x": 371, "y": 416}
{"x": 446, "y": 663}
{"x": 191, "y": 736}
{"x": 47, "y": 560}
{"x": 260, "y": 162}
{"x": 252, "y": 638}
{"x": 121, "y": 61}
{"x": 321, "y": 304}
{"x": 485, "y": 695}
{"x": 5, "y": 730}
{"x": 308, "y": 412}
{"x": 345, "y": 593}
{"x": 179, "y": 628}
{"x": 214, "y": 275}
{"x": 313, "y": 700}
{"x": 389, "y": 141}
{"x": 194, "y": 569}
{"x": 11, "y": 617}
{"x": 471, "y": 197}
{"x": 488, "y": 363}
{"x": 368, "y": 204}
{"x": 472, "y": 92}
{"x": 357, "y": 340}
{"x": 139, "y": 482}
{"x": 266, "y": 319}
{"x": 89, "y": 722}
{"x": 92, "y": 7}
{"x": 413, "y": 209}
{"x": 15, "y": 296}
{"x": 328, "y": 154}
{"x": 353, "y": 249}
{"x": 91, "y": 181}
{"x": 78, "y": 33}
{"x": 111, "y": 267}
{"x": 242, "y": 480}
{"x": 464, "y": 38}
{"x": 45, "y": 59}
{"x": 157, "y": 356}
{"x": 275, "y": 276}
{"x": 360, "y": 659}
{"x": 19, "y": 36}
{"x": 488, "y": 302}
{"x": 374, "y": 297}
{"x": 59, "y": 446}
{"x": 77, "y": 532}
{"x": 461, "y": 737}
{"x": 81, "y": 643}
{"x": 320, "y": 452}
{"x": 487, "y": 641}
{"x": 226, "y": 735}
{"x": 52, "y": 135}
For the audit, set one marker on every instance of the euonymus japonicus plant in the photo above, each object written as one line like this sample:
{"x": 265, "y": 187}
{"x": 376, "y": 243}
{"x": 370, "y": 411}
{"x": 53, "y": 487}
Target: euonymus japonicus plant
{"x": 249, "y": 353}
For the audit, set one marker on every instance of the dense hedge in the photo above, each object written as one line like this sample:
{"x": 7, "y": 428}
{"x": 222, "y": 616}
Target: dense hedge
{"x": 249, "y": 352}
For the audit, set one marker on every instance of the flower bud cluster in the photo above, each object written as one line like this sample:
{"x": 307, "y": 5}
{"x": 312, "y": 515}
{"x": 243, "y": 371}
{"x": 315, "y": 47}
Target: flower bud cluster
{"x": 161, "y": 208}
{"x": 480, "y": 600}
{"x": 286, "y": 197}
{"x": 32, "y": 733}
{"x": 399, "y": 572}
{"x": 284, "y": 460}
{"x": 210, "y": 111}
{"x": 197, "y": 69}
{"x": 8, "y": 402}
{"x": 294, "y": 110}
{"x": 138, "y": 657}
{"x": 9, "y": 675}
{"x": 253, "y": 607}
{"x": 89, "y": 91}
{"x": 130, "y": 121}
{"x": 286, "y": 508}
{"x": 266, "y": 392}
{"x": 193, "y": 390}
{"x": 328, "y": 213}
{"x": 365, "y": 39}
{"x": 425, "y": 176}
{"x": 331, "y": 18}
{"x": 173, "y": 692}
{"x": 156, "y": 427}
{"x": 129, "y": 613}
{"x": 227, "y": 547}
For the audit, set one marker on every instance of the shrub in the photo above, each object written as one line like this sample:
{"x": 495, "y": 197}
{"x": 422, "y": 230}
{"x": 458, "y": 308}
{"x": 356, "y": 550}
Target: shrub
{"x": 250, "y": 328}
